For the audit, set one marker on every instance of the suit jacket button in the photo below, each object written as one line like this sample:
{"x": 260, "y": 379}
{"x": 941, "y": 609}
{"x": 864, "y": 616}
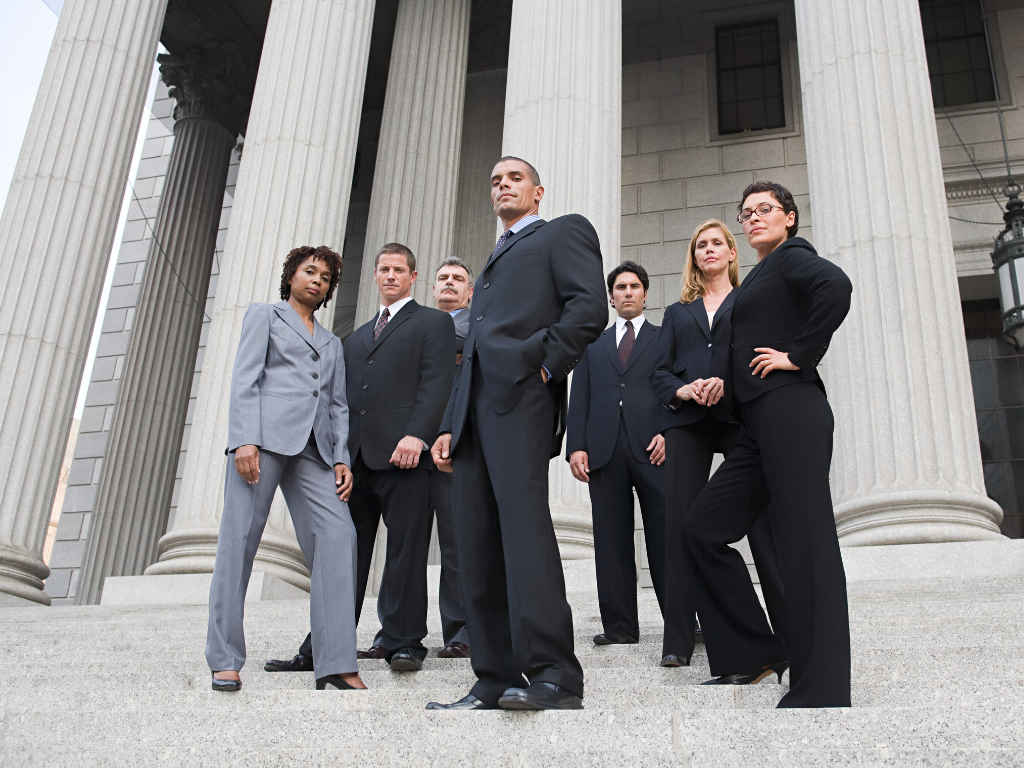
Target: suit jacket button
{"x": 316, "y": 394}
{"x": 709, "y": 345}
{"x": 316, "y": 358}
{"x": 366, "y": 386}
{"x": 362, "y": 413}
{"x": 479, "y": 318}
{"x": 316, "y": 376}
{"x": 369, "y": 362}
{"x": 622, "y": 385}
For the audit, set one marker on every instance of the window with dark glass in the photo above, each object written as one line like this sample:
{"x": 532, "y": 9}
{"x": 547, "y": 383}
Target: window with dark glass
{"x": 997, "y": 374}
{"x": 958, "y": 61}
{"x": 749, "y": 77}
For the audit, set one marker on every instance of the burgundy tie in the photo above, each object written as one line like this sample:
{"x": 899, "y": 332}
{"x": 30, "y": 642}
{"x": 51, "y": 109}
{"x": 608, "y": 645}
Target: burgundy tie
{"x": 626, "y": 345}
{"x": 381, "y": 322}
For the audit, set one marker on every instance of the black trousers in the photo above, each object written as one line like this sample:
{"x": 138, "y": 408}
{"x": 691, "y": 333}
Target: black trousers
{"x": 783, "y": 454}
{"x": 450, "y": 602}
{"x": 518, "y": 617}
{"x": 611, "y": 500}
{"x": 689, "y": 452}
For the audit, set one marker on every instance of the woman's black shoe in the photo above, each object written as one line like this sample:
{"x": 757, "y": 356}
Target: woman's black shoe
{"x": 673, "y": 660}
{"x": 753, "y": 678}
{"x": 335, "y": 680}
{"x": 225, "y": 685}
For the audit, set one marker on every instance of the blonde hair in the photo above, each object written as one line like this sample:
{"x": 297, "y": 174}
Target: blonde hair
{"x": 693, "y": 285}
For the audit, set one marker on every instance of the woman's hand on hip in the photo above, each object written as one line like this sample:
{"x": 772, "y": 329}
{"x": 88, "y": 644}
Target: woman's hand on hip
{"x": 247, "y": 462}
{"x": 343, "y": 481}
{"x": 771, "y": 360}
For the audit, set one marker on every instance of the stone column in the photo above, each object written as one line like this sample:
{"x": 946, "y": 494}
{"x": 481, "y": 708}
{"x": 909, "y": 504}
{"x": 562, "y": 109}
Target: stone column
{"x": 907, "y": 464}
{"x": 55, "y": 238}
{"x": 563, "y": 113}
{"x": 293, "y": 189}
{"x": 416, "y": 177}
{"x": 213, "y": 91}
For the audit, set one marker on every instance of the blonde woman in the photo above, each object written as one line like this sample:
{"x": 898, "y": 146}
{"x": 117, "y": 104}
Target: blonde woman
{"x": 691, "y": 379}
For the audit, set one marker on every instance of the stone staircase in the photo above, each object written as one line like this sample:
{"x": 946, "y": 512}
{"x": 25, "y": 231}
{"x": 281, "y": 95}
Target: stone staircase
{"x": 938, "y": 681}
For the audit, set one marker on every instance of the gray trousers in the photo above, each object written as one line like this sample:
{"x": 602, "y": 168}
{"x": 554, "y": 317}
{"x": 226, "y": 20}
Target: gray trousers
{"x": 327, "y": 538}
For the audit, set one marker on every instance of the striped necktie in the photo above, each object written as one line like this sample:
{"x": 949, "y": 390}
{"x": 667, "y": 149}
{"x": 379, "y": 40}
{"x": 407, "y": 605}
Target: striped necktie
{"x": 381, "y": 322}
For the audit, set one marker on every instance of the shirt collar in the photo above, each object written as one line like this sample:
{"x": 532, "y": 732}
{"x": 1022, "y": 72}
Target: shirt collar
{"x": 454, "y": 312}
{"x": 620, "y": 323}
{"x": 394, "y": 308}
{"x": 523, "y": 223}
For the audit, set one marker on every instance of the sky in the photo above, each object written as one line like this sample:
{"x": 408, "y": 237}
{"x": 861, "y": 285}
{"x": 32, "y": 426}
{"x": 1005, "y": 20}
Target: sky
{"x": 26, "y": 32}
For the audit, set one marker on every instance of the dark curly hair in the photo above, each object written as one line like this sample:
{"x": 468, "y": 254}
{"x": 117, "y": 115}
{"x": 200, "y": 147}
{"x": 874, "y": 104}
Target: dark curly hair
{"x": 782, "y": 196}
{"x": 299, "y": 255}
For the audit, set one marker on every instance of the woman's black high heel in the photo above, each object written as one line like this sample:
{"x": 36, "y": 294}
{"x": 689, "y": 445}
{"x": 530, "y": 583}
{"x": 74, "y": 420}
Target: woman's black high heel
{"x": 225, "y": 685}
{"x": 337, "y": 681}
{"x": 751, "y": 678}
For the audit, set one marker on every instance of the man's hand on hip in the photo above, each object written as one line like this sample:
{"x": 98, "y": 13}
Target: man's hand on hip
{"x": 442, "y": 452}
{"x": 407, "y": 454}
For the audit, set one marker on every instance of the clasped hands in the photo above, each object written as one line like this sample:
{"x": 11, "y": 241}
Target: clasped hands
{"x": 702, "y": 391}
{"x": 247, "y": 462}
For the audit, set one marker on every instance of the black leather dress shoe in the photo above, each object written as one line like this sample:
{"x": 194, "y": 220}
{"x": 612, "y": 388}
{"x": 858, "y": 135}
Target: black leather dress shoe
{"x": 454, "y": 650}
{"x": 225, "y": 685}
{"x": 403, "y": 661}
{"x": 335, "y": 681}
{"x": 751, "y": 678}
{"x": 609, "y": 639}
{"x": 297, "y": 663}
{"x": 465, "y": 703}
{"x": 674, "y": 660}
{"x": 373, "y": 652}
{"x": 540, "y": 696}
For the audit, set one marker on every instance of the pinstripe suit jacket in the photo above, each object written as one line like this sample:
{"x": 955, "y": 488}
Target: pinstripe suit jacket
{"x": 286, "y": 384}
{"x": 690, "y": 349}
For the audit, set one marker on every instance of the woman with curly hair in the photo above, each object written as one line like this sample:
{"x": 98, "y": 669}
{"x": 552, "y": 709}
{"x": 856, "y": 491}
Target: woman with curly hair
{"x": 288, "y": 428}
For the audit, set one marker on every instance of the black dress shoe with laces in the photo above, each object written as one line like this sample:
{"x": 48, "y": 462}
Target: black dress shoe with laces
{"x": 297, "y": 663}
{"x": 540, "y": 695}
{"x": 606, "y": 638}
{"x": 674, "y": 660}
{"x": 465, "y": 703}
{"x": 404, "y": 661}
{"x": 751, "y": 678}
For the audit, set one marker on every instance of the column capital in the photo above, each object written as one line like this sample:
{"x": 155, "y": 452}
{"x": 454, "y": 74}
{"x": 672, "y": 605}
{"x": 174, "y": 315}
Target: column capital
{"x": 214, "y": 84}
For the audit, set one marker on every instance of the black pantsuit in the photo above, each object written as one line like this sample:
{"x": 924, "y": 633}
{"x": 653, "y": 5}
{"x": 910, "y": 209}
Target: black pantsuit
{"x": 792, "y": 301}
{"x": 689, "y": 452}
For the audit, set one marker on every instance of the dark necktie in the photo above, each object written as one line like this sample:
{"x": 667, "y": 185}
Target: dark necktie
{"x": 381, "y": 322}
{"x": 501, "y": 241}
{"x": 626, "y": 345}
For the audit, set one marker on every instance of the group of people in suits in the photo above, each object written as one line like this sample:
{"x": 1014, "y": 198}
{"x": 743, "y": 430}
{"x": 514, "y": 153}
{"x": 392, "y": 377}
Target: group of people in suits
{"x": 454, "y": 413}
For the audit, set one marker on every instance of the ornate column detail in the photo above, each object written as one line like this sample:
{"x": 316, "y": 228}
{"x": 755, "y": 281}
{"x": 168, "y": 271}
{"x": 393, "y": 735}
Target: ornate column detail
{"x": 293, "y": 188}
{"x": 907, "y": 464}
{"x": 213, "y": 90}
{"x": 417, "y": 171}
{"x": 62, "y": 211}
{"x": 563, "y": 113}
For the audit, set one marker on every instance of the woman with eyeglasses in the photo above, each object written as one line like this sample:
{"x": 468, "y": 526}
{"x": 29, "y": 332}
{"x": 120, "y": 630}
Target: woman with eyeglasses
{"x": 783, "y": 318}
{"x": 699, "y": 420}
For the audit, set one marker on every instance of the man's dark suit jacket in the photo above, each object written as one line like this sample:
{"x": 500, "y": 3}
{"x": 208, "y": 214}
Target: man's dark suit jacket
{"x": 398, "y": 385}
{"x": 539, "y": 301}
{"x": 792, "y": 301}
{"x": 599, "y": 384}
{"x": 689, "y": 349}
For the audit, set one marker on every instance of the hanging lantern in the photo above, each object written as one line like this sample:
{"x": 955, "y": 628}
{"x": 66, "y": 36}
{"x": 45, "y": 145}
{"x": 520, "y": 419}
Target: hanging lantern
{"x": 1008, "y": 262}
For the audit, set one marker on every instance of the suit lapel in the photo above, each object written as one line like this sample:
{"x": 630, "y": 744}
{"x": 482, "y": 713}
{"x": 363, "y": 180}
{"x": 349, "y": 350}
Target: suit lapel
{"x": 524, "y": 232}
{"x": 646, "y": 335}
{"x": 400, "y": 317}
{"x": 608, "y": 343}
{"x": 290, "y": 316}
{"x": 700, "y": 314}
{"x": 725, "y": 306}
{"x": 749, "y": 279}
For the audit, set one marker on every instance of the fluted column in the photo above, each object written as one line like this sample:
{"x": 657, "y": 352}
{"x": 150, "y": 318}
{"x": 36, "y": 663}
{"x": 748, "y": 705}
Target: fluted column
{"x": 293, "y": 189}
{"x": 416, "y": 177}
{"x": 563, "y": 113}
{"x": 55, "y": 237}
{"x": 907, "y": 464}
{"x": 213, "y": 91}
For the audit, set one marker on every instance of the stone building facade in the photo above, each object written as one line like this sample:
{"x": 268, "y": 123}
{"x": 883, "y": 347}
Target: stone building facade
{"x": 361, "y": 121}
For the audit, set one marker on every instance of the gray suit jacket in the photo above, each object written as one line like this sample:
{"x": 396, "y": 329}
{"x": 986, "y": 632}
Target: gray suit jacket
{"x": 286, "y": 384}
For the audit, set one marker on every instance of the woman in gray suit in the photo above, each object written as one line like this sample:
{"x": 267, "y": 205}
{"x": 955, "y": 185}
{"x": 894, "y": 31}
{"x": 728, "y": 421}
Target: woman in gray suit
{"x": 288, "y": 428}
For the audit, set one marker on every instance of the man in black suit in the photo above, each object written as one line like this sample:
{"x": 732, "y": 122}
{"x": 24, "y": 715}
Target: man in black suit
{"x": 539, "y": 303}
{"x": 398, "y": 375}
{"x": 613, "y": 444}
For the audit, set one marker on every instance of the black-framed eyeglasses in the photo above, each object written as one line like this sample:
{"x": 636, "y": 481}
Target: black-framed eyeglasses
{"x": 761, "y": 210}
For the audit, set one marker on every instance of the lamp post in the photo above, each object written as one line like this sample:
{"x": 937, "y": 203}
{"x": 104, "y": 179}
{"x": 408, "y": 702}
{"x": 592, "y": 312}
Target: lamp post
{"x": 1008, "y": 262}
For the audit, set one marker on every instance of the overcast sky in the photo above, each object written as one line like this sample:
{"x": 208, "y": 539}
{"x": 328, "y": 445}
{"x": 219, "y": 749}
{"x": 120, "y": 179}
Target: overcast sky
{"x": 26, "y": 32}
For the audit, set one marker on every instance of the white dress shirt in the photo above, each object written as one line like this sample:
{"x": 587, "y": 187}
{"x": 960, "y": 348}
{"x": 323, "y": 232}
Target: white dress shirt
{"x": 394, "y": 308}
{"x": 620, "y": 328}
